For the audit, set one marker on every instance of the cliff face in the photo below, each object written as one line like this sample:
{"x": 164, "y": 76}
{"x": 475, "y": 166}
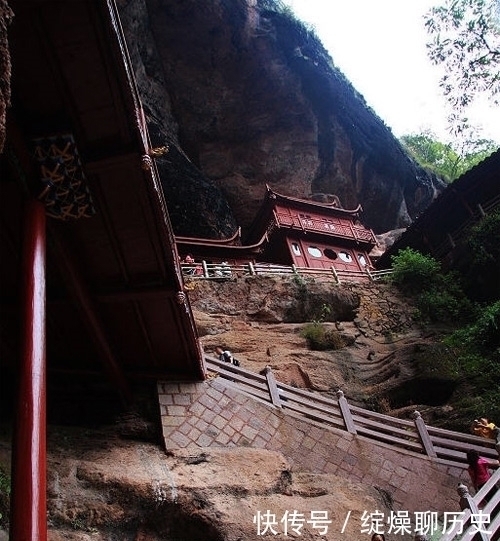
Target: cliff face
{"x": 5, "y": 19}
{"x": 246, "y": 95}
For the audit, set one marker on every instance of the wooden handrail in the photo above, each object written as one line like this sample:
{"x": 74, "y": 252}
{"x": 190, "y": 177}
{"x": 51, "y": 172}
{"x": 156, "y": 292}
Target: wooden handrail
{"x": 416, "y": 436}
{"x": 209, "y": 271}
{"x": 468, "y": 527}
{"x": 413, "y": 436}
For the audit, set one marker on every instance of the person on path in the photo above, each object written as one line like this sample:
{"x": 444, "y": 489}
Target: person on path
{"x": 479, "y": 468}
{"x": 226, "y": 356}
{"x": 487, "y": 429}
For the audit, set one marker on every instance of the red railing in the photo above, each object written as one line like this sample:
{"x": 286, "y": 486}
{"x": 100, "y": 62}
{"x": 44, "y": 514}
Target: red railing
{"x": 348, "y": 231}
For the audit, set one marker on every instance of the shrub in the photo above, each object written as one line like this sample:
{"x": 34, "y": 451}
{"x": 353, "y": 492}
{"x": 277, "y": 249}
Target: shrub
{"x": 445, "y": 302}
{"x": 439, "y": 296}
{"x": 320, "y": 338}
{"x": 413, "y": 271}
{"x": 482, "y": 241}
{"x": 477, "y": 353}
{"x": 483, "y": 335}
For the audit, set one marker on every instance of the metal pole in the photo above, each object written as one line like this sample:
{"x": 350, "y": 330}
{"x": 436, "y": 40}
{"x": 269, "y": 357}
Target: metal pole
{"x": 29, "y": 479}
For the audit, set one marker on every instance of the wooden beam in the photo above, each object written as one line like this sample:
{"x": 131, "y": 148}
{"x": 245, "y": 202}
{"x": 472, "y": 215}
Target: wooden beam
{"x": 136, "y": 294}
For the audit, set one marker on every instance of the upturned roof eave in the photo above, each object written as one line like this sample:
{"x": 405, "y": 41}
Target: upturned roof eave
{"x": 209, "y": 243}
{"x": 264, "y": 214}
{"x": 215, "y": 242}
{"x": 273, "y": 195}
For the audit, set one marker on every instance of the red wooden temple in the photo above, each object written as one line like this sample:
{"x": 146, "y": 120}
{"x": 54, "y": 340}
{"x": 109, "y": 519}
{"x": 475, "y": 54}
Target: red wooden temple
{"x": 292, "y": 231}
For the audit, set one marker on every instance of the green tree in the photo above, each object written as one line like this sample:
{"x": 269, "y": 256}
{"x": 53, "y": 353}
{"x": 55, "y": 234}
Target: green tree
{"x": 465, "y": 40}
{"x": 474, "y": 351}
{"x": 434, "y": 155}
{"x": 442, "y": 158}
{"x": 439, "y": 296}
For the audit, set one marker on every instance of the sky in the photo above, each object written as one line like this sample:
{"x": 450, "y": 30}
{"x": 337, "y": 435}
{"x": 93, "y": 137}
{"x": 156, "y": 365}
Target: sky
{"x": 379, "y": 45}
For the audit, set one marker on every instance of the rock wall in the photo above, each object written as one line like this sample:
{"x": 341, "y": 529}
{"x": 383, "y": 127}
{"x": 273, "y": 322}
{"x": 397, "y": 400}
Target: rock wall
{"x": 245, "y": 95}
{"x": 377, "y": 309}
{"x": 6, "y": 16}
{"x": 274, "y": 299}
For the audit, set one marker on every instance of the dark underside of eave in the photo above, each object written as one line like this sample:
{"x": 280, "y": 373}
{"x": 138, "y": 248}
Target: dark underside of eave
{"x": 112, "y": 278}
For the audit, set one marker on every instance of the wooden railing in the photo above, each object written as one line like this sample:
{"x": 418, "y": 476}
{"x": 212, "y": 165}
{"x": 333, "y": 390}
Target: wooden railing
{"x": 223, "y": 271}
{"x": 346, "y": 230}
{"x": 445, "y": 446}
{"x": 478, "y": 522}
{"x": 411, "y": 435}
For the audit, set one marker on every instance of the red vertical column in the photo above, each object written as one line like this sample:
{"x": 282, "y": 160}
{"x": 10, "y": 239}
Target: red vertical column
{"x": 29, "y": 478}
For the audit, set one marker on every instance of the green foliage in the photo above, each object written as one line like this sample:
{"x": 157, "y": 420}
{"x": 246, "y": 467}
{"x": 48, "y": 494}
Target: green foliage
{"x": 412, "y": 271}
{"x": 443, "y": 300}
{"x": 483, "y": 335}
{"x": 483, "y": 241}
{"x": 465, "y": 41}
{"x": 4, "y": 499}
{"x": 320, "y": 338}
{"x": 475, "y": 350}
{"x": 324, "y": 313}
{"x": 431, "y": 154}
{"x": 480, "y": 259}
{"x": 299, "y": 281}
{"x": 442, "y": 159}
{"x": 439, "y": 296}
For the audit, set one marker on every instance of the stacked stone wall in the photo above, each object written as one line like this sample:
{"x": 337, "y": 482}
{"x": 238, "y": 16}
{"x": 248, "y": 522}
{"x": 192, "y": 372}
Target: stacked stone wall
{"x": 382, "y": 310}
{"x": 213, "y": 414}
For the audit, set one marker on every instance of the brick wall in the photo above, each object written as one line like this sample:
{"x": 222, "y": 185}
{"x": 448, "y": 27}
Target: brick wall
{"x": 213, "y": 414}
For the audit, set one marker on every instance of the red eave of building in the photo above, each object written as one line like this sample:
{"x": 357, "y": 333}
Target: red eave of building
{"x": 297, "y": 203}
{"x": 266, "y": 216}
{"x": 231, "y": 241}
{"x": 217, "y": 250}
{"x": 115, "y": 289}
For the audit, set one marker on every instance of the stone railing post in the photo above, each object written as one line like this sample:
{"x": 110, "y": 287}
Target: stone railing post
{"x": 424, "y": 435}
{"x": 273, "y": 388}
{"x": 294, "y": 269}
{"x": 346, "y": 413}
{"x": 205, "y": 268}
{"x": 468, "y": 502}
{"x": 251, "y": 268}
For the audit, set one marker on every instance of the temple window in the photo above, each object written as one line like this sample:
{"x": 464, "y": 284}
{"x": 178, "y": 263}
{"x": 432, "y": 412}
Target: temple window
{"x": 295, "y": 248}
{"x": 314, "y": 251}
{"x": 330, "y": 254}
{"x": 345, "y": 256}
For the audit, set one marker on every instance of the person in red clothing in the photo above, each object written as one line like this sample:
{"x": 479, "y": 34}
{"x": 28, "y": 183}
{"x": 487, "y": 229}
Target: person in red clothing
{"x": 479, "y": 468}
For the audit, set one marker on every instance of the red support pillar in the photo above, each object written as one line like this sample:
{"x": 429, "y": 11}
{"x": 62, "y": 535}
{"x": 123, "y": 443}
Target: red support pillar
{"x": 29, "y": 479}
